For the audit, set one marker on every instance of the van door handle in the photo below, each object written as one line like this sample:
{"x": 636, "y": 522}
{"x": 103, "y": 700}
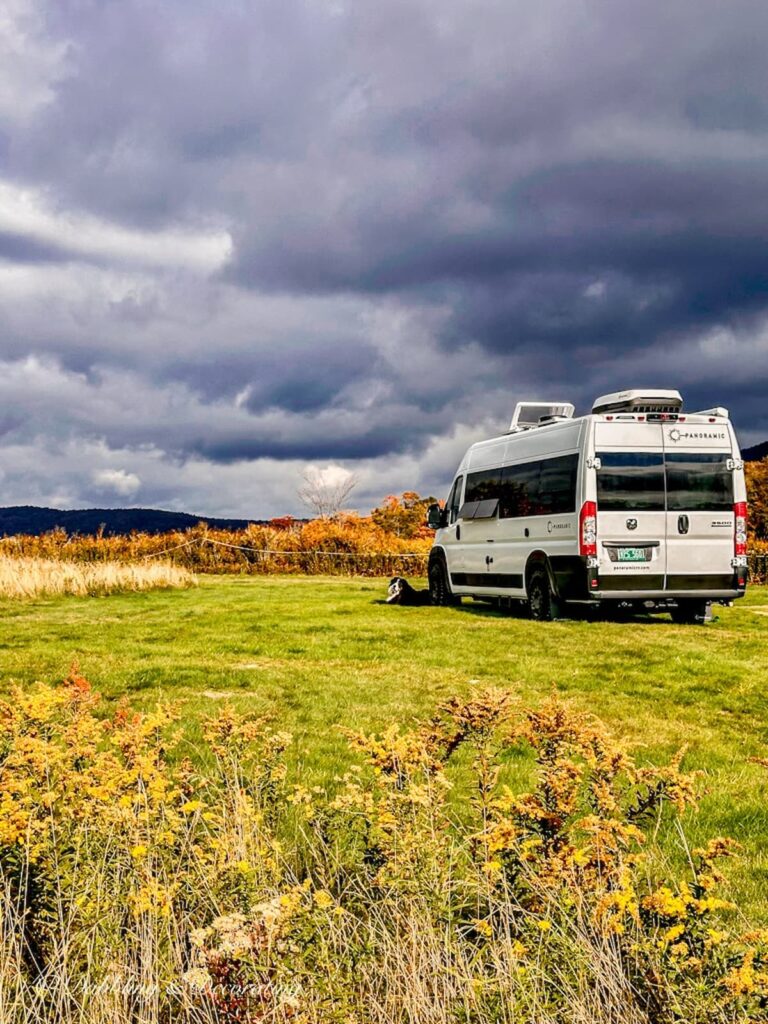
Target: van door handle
{"x": 683, "y": 524}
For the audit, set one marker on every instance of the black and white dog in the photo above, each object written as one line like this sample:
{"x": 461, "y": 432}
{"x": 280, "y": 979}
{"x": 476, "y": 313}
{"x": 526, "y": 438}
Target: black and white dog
{"x": 400, "y": 591}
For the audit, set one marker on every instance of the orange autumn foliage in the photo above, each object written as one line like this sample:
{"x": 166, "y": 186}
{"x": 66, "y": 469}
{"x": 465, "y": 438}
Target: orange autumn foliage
{"x": 345, "y": 545}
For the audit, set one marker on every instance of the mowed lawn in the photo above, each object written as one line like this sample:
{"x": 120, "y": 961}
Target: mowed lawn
{"x": 323, "y": 653}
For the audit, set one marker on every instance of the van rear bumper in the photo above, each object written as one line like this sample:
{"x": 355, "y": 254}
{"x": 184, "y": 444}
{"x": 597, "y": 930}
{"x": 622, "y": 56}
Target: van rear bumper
{"x": 708, "y": 583}
{"x": 598, "y": 596}
{"x": 594, "y": 587}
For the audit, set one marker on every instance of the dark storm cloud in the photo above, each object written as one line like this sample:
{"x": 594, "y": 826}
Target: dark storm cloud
{"x": 434, "y": 208}
{"x": 19, "y": 248}
{"x": 678, "y": 247}
{"x": 368, "y": 443}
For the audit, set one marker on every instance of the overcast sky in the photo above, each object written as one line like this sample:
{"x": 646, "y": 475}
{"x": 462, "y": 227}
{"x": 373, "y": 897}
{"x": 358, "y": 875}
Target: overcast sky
{"x": 241, "y": 239}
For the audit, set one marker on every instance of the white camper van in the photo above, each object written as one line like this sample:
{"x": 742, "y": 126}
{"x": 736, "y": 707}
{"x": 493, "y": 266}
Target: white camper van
{"x": 638, "y": 505}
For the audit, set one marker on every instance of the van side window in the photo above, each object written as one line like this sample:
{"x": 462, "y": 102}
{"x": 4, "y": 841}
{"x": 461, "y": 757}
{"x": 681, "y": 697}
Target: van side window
{"x": 631, "y": 482}
{"x": 483, "y": 485}
{"x": 454, "y": 500}
{"x": 698, "y": 483}
{"x": 557, "y": 485}
{"x": 519, "y": 491}
{"x": 543, "y": 488}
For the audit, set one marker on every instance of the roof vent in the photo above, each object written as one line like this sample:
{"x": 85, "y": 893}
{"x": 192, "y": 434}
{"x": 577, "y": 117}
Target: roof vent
{"x": 639, "y": 401}
{"x": 539, "y": 414}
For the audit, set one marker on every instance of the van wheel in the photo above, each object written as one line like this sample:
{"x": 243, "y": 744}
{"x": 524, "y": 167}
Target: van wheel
{"x": 689, "y": 613}
{"x": 542, "y": 603}
{"x": 439, "y": 588}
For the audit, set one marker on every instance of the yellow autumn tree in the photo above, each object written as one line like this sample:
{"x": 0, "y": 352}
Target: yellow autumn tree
{"x": 404, "y": 516}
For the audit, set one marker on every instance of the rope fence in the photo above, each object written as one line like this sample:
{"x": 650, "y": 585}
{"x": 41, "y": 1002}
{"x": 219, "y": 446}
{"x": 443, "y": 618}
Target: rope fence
{"x": 258, "y": 559}
{"x": 176, "y": 547}
{"x": 757, "y": 562}
{"x": 315, "y": 551}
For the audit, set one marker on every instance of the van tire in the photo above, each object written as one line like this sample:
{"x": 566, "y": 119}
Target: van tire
{"x": 692, "y": 612}
{"x": 542, "y": 603}
{"x": 439, "y": 587}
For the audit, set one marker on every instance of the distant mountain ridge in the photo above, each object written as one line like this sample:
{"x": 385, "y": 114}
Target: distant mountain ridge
{"x": 33, "y": 520}
{"x": 757, "y": 451}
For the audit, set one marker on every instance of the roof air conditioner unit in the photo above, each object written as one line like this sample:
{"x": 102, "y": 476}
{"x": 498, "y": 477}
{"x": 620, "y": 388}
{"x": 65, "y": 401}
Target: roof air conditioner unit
{"x": 538, "y": 414}
{"x": 639, "y": 400}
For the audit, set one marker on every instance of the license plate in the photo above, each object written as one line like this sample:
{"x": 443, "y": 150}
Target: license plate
{"x": 632, "y": 555}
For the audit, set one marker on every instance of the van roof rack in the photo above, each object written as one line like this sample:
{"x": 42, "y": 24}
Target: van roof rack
{"x": 528, "y": 415}
{"x": 639, "y": 400}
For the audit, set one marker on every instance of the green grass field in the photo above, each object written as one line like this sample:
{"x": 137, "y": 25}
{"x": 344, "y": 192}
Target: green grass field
{"x": 322, "y": 653}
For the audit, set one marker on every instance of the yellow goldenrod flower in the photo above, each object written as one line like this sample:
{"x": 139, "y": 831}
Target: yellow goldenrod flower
{"x": 323, "y": 899}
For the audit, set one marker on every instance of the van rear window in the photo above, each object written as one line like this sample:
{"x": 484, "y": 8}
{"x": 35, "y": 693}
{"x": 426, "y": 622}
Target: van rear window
{"x": 631, "y": 481}
{"x": 698, "y": 483}
{"x": 653, "y": 482}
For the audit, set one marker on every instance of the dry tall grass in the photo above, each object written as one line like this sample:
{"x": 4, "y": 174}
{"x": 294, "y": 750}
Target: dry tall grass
{"x": 347, "y": 546}
{"x": 46, "y": 577}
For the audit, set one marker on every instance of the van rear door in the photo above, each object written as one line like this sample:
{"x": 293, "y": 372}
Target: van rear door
{"x": 631, "y": 516}
{"x": 700, "y": 516}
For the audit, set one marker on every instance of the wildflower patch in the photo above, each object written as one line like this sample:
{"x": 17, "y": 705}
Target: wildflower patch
{"x": 138, "y": 885}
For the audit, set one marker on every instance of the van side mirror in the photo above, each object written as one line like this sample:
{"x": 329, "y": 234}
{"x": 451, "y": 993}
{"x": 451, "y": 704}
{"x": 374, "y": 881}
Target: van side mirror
{"x": 436, "y": 517}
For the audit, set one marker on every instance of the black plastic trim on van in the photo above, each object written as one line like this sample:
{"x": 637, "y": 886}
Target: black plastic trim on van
{"x": 571, "y": 577}
{"x": 632, "y": 581}
{"x": 700, "y": 582}
{"x": 498, "y": 580}
{"x": 630, "y": 543}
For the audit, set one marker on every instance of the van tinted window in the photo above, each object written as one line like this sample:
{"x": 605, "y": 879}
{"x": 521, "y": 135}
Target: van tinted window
{"x": 557, "y": 485}
{"x": 631, "y": 481}
{"x": 651, "y": 482}
{"x": 698, "y": 483}
{"x": 519, "y": 491}
{"x": 483, "y": 485}
{"x": 541, "y": 488}
{"x": 454, "y": 500}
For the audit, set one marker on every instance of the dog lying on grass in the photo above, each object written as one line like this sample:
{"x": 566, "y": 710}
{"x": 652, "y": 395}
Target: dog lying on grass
{"x": 400, "y": 591}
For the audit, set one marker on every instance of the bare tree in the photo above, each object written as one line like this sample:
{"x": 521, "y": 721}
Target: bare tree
{"x": 325, "y": 491}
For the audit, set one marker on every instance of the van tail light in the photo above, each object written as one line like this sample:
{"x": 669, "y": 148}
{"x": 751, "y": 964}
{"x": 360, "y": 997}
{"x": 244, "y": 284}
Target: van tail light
{"x": 740, "y": 529}
{"x": 588, "y": 529}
